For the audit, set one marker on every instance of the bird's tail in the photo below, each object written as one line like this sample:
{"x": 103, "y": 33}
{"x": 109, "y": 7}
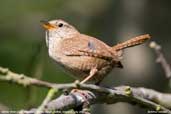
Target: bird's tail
{"x": 132, "y": 42}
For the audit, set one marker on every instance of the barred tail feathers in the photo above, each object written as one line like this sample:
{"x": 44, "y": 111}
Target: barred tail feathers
{"x": 132, "y": 42}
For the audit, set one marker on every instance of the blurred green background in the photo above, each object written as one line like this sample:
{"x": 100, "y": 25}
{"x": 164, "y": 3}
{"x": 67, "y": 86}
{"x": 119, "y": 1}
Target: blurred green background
{"x": 23, "y": 49}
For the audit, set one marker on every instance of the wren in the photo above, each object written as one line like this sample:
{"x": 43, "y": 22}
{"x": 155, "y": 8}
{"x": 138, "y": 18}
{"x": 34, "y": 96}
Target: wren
{"x": 86, "y": 58}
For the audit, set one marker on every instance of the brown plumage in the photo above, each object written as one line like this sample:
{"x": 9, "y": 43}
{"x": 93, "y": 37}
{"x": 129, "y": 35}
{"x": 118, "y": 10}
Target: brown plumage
{"x": 132, "y": 42}
{"x": 85, "y": 57}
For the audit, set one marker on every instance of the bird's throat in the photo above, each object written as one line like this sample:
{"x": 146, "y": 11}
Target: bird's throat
{"x": 54, "y": 47}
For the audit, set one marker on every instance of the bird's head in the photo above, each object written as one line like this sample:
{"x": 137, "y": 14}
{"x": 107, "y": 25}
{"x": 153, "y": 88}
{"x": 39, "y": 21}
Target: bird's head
{"x": 58, "y": 29}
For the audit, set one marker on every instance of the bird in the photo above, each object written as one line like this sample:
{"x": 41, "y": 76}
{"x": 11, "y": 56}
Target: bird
{"x": 84, "y": 57}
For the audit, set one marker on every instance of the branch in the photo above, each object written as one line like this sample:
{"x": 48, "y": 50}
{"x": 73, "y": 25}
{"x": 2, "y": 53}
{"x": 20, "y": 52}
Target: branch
{"x": 161, "y": 59}
{"x": 21, "y": 79}
{"x": 93, "y": 94}
{"x": 49, "y": 96}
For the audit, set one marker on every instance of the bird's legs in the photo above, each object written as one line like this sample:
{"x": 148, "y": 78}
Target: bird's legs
{"x": 92, "y": 73}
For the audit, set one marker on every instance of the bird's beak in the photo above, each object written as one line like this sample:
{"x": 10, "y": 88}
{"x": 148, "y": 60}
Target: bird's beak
{"x": 47, "y": 25}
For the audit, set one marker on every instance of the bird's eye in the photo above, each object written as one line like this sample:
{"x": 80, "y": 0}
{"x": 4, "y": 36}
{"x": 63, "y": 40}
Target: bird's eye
{"x": 60, "y": 25}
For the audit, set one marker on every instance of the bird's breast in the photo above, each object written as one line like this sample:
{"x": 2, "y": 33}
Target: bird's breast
{"x": 80, "y": 66}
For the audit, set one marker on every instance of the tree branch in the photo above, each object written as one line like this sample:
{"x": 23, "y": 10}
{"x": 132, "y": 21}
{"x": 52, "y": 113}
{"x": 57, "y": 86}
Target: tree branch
{"x": 21, "y": 79}
{"x": 161, "y": 59}
{"x": 93, "y": 94}
{"x": 140, "y": 96}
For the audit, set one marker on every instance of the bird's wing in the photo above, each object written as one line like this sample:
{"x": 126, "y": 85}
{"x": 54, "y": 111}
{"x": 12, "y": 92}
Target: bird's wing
{"x": 84, "y": 45}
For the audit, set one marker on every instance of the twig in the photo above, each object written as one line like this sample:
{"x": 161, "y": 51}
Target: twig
{"x": 140, "y": 96}
{"x": 49, "y": 96}
{"x": 93, "y": 94}
{"x": 21, "y": 79}
{"x": 161, "y": 59}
